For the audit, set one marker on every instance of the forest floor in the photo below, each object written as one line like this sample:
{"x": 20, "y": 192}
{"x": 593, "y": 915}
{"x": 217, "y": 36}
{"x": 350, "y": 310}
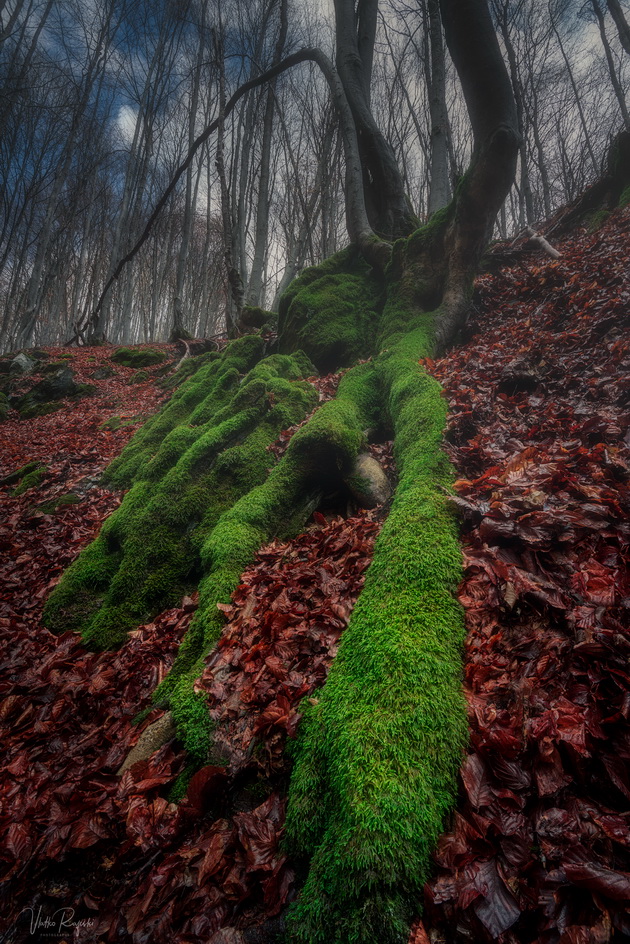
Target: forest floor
{"x": 538, "y": 851}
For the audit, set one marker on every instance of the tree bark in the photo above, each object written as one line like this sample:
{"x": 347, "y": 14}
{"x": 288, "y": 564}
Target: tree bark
{"x": 439, "y": 191}
{"x": 473, "y": 46}
{"x": 623, "y": 28}
{"x": 388, "y": 208}
{"x": 614, "y": 78}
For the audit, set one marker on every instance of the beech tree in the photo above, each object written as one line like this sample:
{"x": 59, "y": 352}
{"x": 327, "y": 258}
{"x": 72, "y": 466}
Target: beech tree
{"x": 378, "y": 751}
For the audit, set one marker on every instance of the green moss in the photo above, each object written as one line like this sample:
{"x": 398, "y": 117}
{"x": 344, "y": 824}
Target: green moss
{"x": 4, "y": 406}
{"x": 20, "y": 473}
{"x": 32, "y": 479}
{"x": 318, "y": 455}
{"x": 624, "y": 199}
{"x": 151, "y": 550}
{"x": 85, "y": 390}
{"x": 118, "y": 422}
{"x": 376, "y": 759}
{"x": 137, "y": 357}
{"x": 30, "y": 409}
{"x": 209, "y": 387}
{"x": 593, "y": 221}
{"x": 62, "y": 501}
{"x": 140, "y": 376}
{"x": 331, "y": 312}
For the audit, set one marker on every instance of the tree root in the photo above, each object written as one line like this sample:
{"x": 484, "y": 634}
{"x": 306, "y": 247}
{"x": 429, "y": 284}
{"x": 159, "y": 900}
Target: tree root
{"x": 377, "y": 757}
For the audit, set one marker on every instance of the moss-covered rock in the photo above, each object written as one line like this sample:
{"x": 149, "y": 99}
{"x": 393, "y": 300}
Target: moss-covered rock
{"x": 140, "y": 376}
{"x": 4, "y": 407}
{"x": 18, "y": 474}
{"x": 137, "y": 357}
{"x": 104, "y": 373}
{"x": 331, "y": 312}
{"x": 30, "y": 480}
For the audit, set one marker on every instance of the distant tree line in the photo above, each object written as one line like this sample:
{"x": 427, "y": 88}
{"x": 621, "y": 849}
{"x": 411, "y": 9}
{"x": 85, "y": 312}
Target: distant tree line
{"x": 99, "y": 104}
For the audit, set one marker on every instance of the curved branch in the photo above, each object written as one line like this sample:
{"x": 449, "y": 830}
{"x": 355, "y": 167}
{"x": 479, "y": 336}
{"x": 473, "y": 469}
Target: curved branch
{"x": 375, "y": 250}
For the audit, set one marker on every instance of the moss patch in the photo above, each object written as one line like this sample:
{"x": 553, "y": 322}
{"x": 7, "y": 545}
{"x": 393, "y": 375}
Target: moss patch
{"x": 190, "y": 465}
{"x": 331, "y": 311}
{"x": 318, "y": 454}
{"x": 55, "y": 504}
{"x": 376, "y": 759}
{"x": 593, "y": 221}
{"x": 624, "y": 199}
{"x": 136, "y": 357}
{"x": 32, "y": 479}
{"x": 140, "y": 376}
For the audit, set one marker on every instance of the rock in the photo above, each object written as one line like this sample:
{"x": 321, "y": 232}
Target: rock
{"x": 134, "y": 357}
{"x": 22, "y": 364}
{"x": 227, "y": 936}
{"x": 104, "y": 373}
{"x": 152, "y": 739}
{"x": 4, "y": 407}
{"x": 140, "y": 376}
{"x": 368, "y": 482}
{"x": 43, "y": 397}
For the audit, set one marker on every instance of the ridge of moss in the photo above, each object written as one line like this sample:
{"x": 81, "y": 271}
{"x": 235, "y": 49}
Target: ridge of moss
{"x": 331, "y": 310}
{"x": 376, "y": 758}
{"x": 148, "y": 552}
{"x": 318, "y": 454}
{"x": 31, "y": 479}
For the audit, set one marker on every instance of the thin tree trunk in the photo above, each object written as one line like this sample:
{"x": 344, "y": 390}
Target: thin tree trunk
{"x": 388, "y": 208}
{"x": 255, "y": 287}
{"x": 623, "y": 28}
{"x": 578, "y": 99}
{"x": 614, "y": 78}
{"x": 439, "y": 190}
{"x": 234, "y": 302}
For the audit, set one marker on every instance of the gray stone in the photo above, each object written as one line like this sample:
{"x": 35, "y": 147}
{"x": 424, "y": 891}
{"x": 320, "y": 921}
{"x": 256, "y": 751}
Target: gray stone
{"x": 22, "y": 364}
{"x": 368, "y": 482}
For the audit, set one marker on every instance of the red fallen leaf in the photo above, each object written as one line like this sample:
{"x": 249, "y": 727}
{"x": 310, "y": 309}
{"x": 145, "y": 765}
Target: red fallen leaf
{"x": 618, "y": 772}
{"x": 206, "y": 786}
{"x": 18, "y": 841}
{"x": 217, "y": 845}
{"x": 497, "y": 908}
{"x": 615, "y": 827}
{"x": 596, "y": 878}
{"x": 86, "y": 834}
{"x": 474, "y": 776}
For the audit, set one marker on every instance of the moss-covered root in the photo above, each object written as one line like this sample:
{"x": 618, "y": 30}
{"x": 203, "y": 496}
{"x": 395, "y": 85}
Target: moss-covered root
{"x": 149, "y": 551}
{"x": 318, "y": 457}
{"x": 376, "y": 759}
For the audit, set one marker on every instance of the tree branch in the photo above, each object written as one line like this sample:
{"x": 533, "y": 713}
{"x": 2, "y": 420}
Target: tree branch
{"x": 375, "y": 250}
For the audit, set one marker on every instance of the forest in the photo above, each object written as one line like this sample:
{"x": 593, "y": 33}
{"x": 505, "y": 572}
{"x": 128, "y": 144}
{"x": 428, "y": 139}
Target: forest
{"x": 314, "y": 471}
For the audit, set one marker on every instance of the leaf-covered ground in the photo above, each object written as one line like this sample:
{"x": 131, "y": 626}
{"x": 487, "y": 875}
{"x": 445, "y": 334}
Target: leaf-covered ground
{"x": 540, "y": 433}
{"x": 539, "y": 849}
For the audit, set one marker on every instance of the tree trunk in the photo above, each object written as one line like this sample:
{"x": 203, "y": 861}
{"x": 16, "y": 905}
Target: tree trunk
{"x": 255, "y": 287}
{"x": 439, "y": 191}
{"x": 388, "y": 208}
{"x": 614, "y": 78}
{"x": 623, "y": 27}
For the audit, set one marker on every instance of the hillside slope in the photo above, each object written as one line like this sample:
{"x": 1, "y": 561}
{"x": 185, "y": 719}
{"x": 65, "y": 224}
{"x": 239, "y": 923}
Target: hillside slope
{"x": 540, "y": 848}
